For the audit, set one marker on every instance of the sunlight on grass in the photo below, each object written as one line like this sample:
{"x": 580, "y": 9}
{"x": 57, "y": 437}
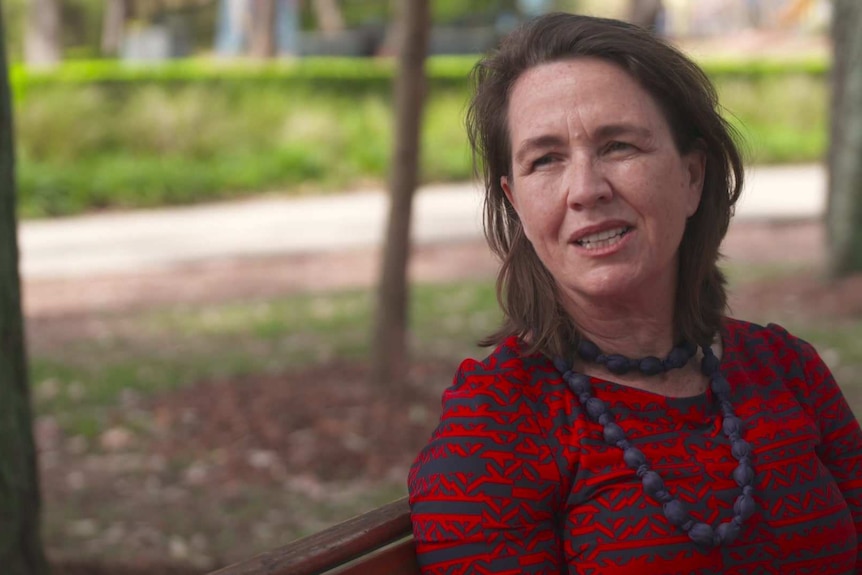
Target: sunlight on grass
{"x": 186, "y": 344}
{"x": 739, "y": 273}
{"x": 171, "y": 348}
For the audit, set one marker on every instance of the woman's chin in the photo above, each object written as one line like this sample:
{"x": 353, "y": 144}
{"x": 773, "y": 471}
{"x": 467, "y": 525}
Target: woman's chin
{"x": 618, "y": 286}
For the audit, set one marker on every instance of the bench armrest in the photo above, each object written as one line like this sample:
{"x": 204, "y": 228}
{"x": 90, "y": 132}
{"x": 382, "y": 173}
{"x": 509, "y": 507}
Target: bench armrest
{"x": 352, "y": 539}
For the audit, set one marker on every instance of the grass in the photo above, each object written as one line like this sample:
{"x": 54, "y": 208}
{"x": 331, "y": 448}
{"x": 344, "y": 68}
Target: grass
{"x": 87, "y": 148}
{"x": 206, "y": 527}
{"x": 166, "y": 349}
{"x": 161, "y": 350}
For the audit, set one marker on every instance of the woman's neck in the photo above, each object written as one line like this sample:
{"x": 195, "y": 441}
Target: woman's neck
{"x": 633, "y": 331}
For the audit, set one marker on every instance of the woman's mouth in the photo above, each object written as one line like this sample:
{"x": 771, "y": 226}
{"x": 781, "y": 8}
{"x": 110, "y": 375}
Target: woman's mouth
{"x": 603, "y": 239}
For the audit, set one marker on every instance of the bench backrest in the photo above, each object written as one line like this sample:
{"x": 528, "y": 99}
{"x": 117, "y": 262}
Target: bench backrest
{"x": 375, "y": 543}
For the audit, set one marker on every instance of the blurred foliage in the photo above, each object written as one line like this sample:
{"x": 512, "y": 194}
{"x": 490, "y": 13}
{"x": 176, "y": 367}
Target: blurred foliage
{"x": 443, "y": 12}
{"x": 81, "y": 27}
{"x": 98, "y": 134}
{"x": 82, "y": 19}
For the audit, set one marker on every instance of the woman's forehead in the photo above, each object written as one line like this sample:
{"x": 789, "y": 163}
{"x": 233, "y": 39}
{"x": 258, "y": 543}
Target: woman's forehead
{"x": 584, "y": 93}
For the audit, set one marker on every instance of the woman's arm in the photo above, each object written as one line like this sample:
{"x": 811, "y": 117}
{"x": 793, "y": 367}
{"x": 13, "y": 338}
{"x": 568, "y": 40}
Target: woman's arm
{"x": 485, "y": 490}
{"x": 840, "y": 448}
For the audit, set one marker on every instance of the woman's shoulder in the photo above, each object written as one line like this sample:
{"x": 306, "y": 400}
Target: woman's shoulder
{"x": 495, "y": 432}
{"x": 507, "y": 369}
{"x": 756, "y": 350}
{"x": 739, "y": 335}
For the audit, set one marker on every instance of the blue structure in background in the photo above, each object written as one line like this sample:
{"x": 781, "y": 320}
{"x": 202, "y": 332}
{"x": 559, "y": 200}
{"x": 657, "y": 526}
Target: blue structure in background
{"x": 232, "y": 28}
{"x": 287, "y": 26}
{"x": 230, "y": 32}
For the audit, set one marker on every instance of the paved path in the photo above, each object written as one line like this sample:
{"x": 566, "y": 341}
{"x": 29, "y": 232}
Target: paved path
{"x": 151, "y": 239}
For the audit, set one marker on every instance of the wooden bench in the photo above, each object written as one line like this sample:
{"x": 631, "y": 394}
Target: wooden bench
{"x": 379, "y": 542}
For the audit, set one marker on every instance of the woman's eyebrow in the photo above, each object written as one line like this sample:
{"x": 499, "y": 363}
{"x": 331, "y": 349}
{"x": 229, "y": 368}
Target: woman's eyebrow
{"x": 538, "y": 143}
{"x": 604, "y": 132}
{"x": 622, "y": 129}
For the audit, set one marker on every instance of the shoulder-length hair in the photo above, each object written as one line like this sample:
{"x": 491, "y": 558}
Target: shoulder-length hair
{"x": 527, "y": 293}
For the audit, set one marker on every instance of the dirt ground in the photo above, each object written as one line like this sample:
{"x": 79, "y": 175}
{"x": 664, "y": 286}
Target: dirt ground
{"x": 257, "y": 429}
{"x": 56, "y": 303}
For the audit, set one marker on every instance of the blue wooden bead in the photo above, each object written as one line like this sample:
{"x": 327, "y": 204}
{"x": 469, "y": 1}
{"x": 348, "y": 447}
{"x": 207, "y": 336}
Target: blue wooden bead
{"x": 743, "y": 474}
{"x": 651, "y": 365}
{"x": 731, "y": 425}
{"x": 613, "y": 433}
{"x": 618, "y": 364}
{"x": 677, "y": 357}
{"x": 663, "y": 496}
{"x": 562, "y": 366}
{"x": 634, "y": 457}
{"x": 702, "y": 534}
{"x": 579, "y": 383}
{"x": 744, "y": 507}
{"x": 728, "y": 532}
{"x": 653, "y": 483}
{"x": 710, "y": 363}
{"x": 740, "y": 449}
{"x": 588, "y": 350}
{"x": 675, "y": 512}
{"x": 596, "y": 407}
{"x": 719, "y": 384}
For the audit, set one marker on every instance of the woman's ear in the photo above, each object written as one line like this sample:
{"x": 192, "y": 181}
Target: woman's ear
{"x": 507, "y": 189}
{"x": 695, "y": 166}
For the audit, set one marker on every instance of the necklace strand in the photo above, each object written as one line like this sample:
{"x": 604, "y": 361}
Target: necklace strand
{"x": 674, "y": 510}
{"x": 678, "y": 357}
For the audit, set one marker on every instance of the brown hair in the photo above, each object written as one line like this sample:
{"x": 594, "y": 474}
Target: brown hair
{"x": 525, "y": 289}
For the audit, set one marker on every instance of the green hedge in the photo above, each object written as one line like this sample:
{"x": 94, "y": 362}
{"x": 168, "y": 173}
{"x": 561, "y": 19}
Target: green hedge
{"x": 366, "y": 74}
{"x": 450, "y": 70}
{"x": 102, "y": 134}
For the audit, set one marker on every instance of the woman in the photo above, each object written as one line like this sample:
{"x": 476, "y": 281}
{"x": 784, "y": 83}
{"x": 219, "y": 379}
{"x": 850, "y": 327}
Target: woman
{"x": 623, "y": 424}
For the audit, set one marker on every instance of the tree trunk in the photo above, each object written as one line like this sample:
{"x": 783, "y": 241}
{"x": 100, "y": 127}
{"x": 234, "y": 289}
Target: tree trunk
{"x": 42, "y": 37}
{"x": 844, "y": 213}
{"x": 645, "y": 13}
{"x": 389, "y": 346}
{"x": 329, "y": 18}
{"x": 20, "y": 540}
{"x": 113, "y": 23}
{"x": 262, "y": 43}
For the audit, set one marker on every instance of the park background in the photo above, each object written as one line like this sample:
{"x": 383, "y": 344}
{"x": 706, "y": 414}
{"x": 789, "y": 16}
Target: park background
{"x": 189, "y": 416}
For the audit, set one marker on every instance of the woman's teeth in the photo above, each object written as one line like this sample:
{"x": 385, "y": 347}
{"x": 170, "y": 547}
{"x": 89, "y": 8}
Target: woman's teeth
{"x": 602, "y": 239}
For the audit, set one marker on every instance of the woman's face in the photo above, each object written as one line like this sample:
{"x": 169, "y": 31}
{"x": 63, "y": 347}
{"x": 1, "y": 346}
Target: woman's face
{"x": 601, "y": 190}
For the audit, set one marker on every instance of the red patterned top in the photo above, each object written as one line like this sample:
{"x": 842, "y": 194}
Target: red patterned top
{"x": 517, "y": 480}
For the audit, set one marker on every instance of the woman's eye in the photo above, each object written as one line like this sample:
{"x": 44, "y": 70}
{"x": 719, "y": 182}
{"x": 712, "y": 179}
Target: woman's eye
{"x": 543, "y": 161}
{"x": 618, "y": 147}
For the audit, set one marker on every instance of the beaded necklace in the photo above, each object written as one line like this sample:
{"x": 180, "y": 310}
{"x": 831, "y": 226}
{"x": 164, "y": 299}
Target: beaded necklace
{"x": 674, "y": 510}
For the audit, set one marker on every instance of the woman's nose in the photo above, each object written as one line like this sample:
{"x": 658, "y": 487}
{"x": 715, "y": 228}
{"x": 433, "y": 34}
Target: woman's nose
{"x": 587, "y": 185}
